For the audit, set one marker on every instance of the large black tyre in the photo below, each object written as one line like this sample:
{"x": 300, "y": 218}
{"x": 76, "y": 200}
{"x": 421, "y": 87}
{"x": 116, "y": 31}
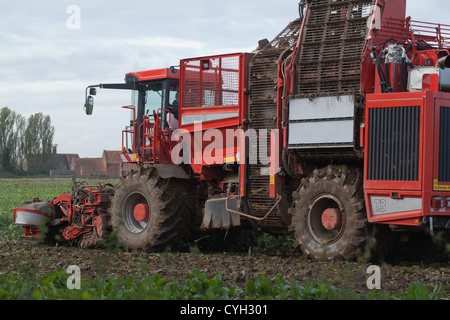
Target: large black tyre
{"x": 168, "y": 219}
{"x": 338, "y": 189}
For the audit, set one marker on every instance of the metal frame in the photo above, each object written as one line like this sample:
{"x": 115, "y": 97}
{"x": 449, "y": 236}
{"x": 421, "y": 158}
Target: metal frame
{"x": 425, "y": 187}
{"x": 221, "y": 117}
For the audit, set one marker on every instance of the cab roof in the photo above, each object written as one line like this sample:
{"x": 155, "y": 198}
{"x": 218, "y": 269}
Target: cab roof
{"x": 157, "y": 74}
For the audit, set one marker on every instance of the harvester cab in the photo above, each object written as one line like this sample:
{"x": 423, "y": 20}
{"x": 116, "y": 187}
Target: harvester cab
{"x": 154, "y": 113}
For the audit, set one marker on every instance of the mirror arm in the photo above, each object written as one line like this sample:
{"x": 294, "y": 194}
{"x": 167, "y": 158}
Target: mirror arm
{"x": 89, "y": 100}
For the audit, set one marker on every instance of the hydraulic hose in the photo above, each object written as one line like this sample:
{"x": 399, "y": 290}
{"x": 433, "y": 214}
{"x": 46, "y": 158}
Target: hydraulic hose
{"x": 381, "y": 73}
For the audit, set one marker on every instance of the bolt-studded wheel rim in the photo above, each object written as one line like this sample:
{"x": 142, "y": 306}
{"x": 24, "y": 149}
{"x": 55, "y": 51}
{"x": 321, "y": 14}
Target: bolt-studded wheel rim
{"x": 136, "y": 219}
{"x": 320, "y": 211}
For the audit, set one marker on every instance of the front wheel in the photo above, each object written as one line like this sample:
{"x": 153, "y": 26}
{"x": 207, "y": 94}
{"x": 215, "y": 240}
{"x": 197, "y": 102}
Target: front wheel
{"x": 329, "y": 221}
{"x": 151, "y": 213}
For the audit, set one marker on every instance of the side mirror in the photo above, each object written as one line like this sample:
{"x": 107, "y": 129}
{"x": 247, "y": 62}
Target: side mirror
{"x": 89, "y": 105}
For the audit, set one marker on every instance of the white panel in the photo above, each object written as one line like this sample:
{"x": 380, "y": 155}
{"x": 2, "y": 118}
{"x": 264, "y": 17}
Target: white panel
{"x": 204, "y": 117}
{"x": 324, "y": 132}
{"x": 322, "y": 108}
{"x": 386, "y": 205}
{"x": 416, "y": 77}
{"x": 30, "y": 218}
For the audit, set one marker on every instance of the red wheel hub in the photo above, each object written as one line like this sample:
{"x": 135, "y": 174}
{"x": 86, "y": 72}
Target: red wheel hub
{"x": 332, "y": 219}
{"x": 141, "y": 212}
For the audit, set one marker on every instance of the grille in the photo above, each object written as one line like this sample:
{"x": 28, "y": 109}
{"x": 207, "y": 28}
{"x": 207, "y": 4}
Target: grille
{"x": 331, "y": 47}
{"x": 217, "y": 84}
{"x": 262, "y": 111}
{"x": 394, "y": 144}
{"x": 444, "y": 145}
{"x": 329, "y": 63}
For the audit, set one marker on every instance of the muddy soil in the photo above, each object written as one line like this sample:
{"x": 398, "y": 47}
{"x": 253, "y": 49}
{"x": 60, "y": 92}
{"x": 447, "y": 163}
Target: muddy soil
{"x": 236, "y": 267}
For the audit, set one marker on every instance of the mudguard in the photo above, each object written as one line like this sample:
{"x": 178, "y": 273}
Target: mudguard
{"x": 217, "y": 216}
{"x": 167, "y": 171}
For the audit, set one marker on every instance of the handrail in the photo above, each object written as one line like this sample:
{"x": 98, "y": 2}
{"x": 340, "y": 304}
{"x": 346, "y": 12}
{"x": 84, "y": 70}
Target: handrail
{"x": 133, "y": 131}
{"x": 247, "y": 215}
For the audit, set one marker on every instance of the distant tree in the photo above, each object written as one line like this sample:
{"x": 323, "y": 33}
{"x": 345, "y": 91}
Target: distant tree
{"x": 6, "y": 160}
{"x": 38, "y": 143}
{"x": 30, "y": 139}
{"x": 12, "y": 126}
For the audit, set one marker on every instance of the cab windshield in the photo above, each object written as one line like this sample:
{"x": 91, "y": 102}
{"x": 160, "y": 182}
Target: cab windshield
{"x": 158, "y": 95}
{"x": 153, "y": 98}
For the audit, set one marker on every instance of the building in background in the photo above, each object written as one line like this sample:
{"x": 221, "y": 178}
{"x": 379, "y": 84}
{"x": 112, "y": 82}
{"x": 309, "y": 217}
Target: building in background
{"x": 68, "y": 165}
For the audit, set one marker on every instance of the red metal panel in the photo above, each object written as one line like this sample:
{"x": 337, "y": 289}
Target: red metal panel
{"x": 213, "y": 81}
{"x": 386, "y": 101}
{"x": 213, "y": 96}
{"x": 388, "y": 197}
{"x": 158, "y": 74}
{"x": 427, "y": 186}
{"x": 381, "y": 28}
{"x": 430, "y": 82}
{"x": 436, "y": 184}
{"x": 243, "y": 115}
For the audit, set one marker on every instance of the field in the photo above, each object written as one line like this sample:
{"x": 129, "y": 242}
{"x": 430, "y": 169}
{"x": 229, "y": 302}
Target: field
{"x": 269, "y": 270}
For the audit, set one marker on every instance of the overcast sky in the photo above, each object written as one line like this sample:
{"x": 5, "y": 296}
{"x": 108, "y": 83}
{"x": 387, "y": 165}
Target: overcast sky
{"x": 47, "y": 58}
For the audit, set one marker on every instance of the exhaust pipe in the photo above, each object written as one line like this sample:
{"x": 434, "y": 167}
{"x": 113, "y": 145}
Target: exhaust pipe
{"x": 443, "y": 62}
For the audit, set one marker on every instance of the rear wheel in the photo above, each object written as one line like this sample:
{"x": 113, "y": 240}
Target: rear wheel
{"x": 329, "y": 220}
{"x": 151, "y": 213}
